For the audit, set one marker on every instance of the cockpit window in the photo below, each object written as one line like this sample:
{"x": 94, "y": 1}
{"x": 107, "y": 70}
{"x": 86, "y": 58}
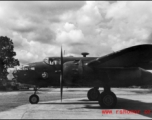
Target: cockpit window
{"x": 26, "y": 68}
{"x": 52, "y": 61}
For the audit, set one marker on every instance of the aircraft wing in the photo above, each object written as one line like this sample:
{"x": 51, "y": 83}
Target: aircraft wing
{"x": 135, "y": 56}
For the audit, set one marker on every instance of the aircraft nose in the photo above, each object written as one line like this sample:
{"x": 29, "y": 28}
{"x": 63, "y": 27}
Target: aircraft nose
{"x": 20, "y": 76}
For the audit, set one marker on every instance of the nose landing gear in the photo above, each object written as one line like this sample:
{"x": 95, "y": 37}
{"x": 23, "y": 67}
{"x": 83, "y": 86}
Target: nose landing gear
{"x": 34, "y": 99}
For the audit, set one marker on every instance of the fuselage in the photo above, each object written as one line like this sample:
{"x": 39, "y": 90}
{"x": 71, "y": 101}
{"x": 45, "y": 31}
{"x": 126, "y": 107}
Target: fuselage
{"x": 46, "y": 72}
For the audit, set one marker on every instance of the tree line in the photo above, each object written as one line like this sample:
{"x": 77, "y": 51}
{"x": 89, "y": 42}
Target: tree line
{"x": 7, "y": 55}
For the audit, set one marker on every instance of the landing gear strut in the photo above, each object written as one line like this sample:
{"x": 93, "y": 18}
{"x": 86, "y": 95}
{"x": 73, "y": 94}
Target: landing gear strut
{"x": 93, "y": 94}
{"x": 34, "y": 99}
{"x": 107, "y": 99}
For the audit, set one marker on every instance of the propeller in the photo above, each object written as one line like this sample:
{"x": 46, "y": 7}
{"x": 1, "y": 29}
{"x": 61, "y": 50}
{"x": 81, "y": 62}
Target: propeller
{"x": 61, "y": 75}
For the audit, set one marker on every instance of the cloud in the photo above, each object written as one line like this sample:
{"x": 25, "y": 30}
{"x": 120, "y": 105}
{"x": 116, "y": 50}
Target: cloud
{"x": 39, "y": 28}
{"x": 130, "y": 22}
{"x": 43, "y": 35}
{"x": 69, "y": 34}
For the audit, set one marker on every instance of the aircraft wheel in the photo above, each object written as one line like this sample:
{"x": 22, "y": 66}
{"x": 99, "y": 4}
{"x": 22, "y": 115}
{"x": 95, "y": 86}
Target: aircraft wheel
{"x": 107, "y": 100}
{"x": 34, "y": 99}
{"x": 93, "y": 94}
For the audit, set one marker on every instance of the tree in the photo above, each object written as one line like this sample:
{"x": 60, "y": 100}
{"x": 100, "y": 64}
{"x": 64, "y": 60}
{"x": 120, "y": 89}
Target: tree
{"x": 7, "y": 54}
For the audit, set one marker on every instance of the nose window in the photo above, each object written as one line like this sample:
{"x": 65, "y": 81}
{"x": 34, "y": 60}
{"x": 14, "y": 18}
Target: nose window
{"x": 32, "y": 68}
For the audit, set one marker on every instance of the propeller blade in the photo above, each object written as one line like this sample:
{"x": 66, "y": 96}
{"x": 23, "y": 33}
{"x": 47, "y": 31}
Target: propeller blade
{"x": 61, "y": 87}
{"x": 61, "y": 75}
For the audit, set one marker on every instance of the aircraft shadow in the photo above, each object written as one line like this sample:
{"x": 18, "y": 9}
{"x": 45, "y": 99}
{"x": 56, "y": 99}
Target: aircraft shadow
{"x": 127, "y": 104}
{"x": 77, "y": 90}
{"x": 84, "y": 100}
{"x": 66, "y": 103}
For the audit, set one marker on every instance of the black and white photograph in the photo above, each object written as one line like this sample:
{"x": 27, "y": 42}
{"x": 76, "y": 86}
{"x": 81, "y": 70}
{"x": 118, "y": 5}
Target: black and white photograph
{"x": 75, "y": 59}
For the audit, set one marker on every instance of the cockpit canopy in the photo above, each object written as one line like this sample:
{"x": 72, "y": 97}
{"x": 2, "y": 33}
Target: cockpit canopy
{"x": 52, "y": 61}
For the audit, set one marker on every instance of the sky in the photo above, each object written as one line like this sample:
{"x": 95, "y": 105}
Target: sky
{"x": 39, "y": 28}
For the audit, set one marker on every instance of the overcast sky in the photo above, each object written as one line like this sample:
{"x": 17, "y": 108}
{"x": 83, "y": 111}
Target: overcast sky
{"x": 39, "y": 28}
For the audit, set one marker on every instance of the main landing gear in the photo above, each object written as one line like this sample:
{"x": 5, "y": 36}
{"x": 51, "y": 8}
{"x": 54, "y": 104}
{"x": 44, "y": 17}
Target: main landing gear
{"x": 106, "y": 99}
{"x": 93, "y": 94}
{"x": 34, "y": 99}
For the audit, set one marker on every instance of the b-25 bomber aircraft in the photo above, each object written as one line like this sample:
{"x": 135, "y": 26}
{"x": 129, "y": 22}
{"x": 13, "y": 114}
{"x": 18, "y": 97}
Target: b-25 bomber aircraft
{"x": 122, "y": 68}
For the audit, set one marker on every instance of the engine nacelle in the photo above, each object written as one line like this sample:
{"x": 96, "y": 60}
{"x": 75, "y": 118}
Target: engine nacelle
{"x": 72, "y": 70}
{"x": 76, "y": 72}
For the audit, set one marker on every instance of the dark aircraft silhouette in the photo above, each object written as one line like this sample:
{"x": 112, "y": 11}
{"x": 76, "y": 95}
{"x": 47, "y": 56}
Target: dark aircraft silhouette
{"x": 122, "y": 68}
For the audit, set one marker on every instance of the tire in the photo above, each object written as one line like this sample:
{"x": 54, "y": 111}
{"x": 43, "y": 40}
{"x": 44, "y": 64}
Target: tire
{"x": 34, "y": 99}
{"x": 93, "y": 94}
{"x": 107, "y": 100}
